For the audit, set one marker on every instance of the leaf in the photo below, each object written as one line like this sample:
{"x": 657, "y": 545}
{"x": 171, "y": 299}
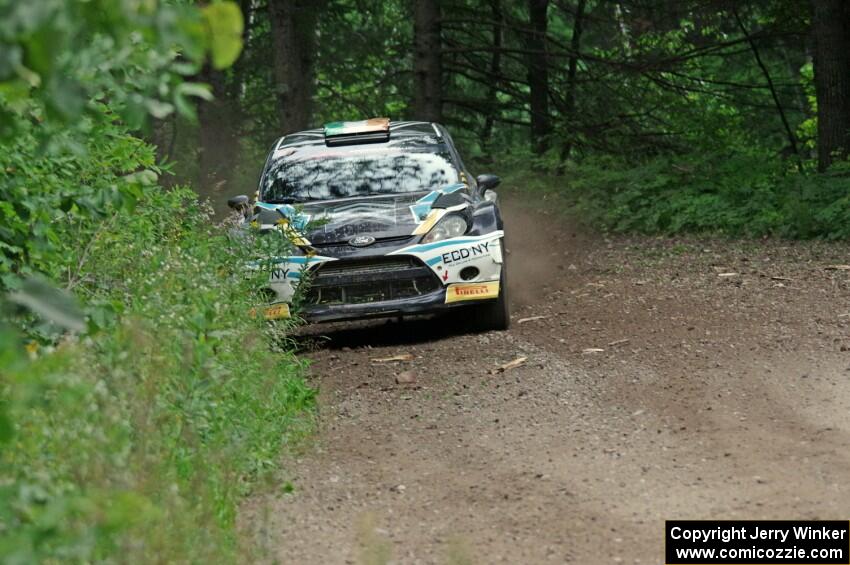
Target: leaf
{"x": 224, "y": 32}
{"x": 64, "y": 98}
{"x": 145, "y": 178}
{"x": 6, "y": 429}
{"x": 184, "y": 107}
{"x": 10, "y": 61}
{"x": 50, "y": 303}
{"x": 158, "y": 109}
{"x": 195, "y": 89}
{"x": 41, "y": 49}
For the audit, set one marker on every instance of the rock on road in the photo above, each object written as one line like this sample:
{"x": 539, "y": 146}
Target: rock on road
{"x": 664, "y": 379}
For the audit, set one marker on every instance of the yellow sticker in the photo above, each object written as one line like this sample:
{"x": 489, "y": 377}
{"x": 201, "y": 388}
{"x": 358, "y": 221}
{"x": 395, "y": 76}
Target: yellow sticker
{"x": 277, "y": 312}
{"x": 431, "y": 219}
{"x": 472, "y": 291}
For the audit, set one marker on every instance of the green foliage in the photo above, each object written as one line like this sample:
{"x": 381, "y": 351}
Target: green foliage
{"x": 363, "y": 60}
{"x": 47, "y": 191}
{"x": 135, "y": 442}
{"x": 645, "y": 93}
{"x": 48, "y": 303}
{"x": 734, "y": 194}
{"x": 58, "y": 56}
{"x": 690, "y": 139}
{"x": 133, "y": 439}
{"x": 224, "y": 24}
{"x": 74, "y": 77}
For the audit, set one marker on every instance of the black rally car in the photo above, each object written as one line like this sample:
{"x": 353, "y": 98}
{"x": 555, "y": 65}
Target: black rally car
{"x": 387, "y": 222}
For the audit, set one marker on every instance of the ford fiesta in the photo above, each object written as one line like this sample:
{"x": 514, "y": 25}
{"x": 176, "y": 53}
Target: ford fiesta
{"x": 388, "y": 222}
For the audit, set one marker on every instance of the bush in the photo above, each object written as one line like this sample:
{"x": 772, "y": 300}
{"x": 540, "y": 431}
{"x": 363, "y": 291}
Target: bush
{"x": 736, "y": 194}
{"x": 132, "y": 439}
{"x": 47, "y": 191}
{"x": 135, "y": 442}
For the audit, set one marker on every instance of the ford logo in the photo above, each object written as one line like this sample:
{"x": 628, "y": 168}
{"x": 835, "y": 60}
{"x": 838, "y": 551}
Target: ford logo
{"x": 361, "y": 241}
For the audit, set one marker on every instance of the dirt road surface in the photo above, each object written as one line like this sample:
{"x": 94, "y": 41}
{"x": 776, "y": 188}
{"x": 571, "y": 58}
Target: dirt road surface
{"x": 663, "y": 379}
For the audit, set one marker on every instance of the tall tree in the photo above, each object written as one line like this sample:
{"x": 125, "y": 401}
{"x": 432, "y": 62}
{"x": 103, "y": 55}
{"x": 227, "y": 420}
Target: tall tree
{"x": 572, "y": 79}
{"x": 494, "y": 71}
{"x": 831, "y": 26}
{"x": 293, "y": 25}
{"x": 538, "y": 75}
{"x": 219, "y": 119}
{"x": 427, "y": 64}
{"x": 217, "y": 136}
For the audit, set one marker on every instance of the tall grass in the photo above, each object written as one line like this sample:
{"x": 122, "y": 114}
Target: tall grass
{"x": 135, "y": 441}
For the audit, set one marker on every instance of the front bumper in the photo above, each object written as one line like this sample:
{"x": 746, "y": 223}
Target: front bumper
{"x": 429, "y": 303}
{"x": 412, "y": 280}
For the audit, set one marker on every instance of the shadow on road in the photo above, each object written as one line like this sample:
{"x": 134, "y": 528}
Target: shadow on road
{"x": 378, "y": 333}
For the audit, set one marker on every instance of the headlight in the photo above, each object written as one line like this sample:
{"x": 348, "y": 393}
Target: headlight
{"x": 450, "y": 226}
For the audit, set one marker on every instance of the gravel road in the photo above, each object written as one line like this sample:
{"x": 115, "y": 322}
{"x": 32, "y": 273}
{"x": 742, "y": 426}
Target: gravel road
{"x": 661, "y": 379}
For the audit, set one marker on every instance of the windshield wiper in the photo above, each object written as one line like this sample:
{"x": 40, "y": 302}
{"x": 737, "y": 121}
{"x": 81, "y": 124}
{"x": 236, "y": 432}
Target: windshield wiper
{"x": 288, "y": 200}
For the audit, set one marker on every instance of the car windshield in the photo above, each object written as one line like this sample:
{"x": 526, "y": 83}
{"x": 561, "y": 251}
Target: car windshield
{"x": 322, "y": 173}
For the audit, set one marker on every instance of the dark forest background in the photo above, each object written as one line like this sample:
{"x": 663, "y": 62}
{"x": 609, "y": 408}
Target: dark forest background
{"x": 653, "y": 115}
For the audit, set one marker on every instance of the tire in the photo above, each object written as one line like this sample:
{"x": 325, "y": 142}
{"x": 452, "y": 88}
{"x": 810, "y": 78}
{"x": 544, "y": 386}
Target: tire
{"x": 495, "y": 315}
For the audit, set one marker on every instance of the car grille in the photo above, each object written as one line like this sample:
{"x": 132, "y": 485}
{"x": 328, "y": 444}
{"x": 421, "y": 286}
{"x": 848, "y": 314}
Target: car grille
{"x": 361, "y": 281}
{"x": 342, "y": 248}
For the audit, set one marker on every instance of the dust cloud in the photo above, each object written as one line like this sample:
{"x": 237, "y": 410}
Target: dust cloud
{"x": 539, "y": 252}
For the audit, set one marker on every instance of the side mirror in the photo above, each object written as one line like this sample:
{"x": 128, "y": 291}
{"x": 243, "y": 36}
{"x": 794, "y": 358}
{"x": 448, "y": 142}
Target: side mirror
{"x": 487, "y": 182}
{"x": 239, "y": 202}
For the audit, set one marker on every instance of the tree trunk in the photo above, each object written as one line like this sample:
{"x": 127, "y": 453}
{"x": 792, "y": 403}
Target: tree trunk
{"x": 831, "y": 24}
{"x": 220, "y": 121}
{"x": 293, "y": 24}
{"x": 427, "y": 67}
{"x": 217, "y": 137}
{"x": 538, "y": 76}
{"x": 161, "y": 134}
{"x": 572, "y": 71}
{"x": 495, "y": 71}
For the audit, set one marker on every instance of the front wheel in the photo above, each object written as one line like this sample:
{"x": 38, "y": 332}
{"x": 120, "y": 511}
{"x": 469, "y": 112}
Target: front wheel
{"x": 495, "y": 315}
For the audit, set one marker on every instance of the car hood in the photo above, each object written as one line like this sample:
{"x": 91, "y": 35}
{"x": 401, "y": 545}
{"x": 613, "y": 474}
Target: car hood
{"x": 329, "y": 225}
{"x": 381, "y": 217}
